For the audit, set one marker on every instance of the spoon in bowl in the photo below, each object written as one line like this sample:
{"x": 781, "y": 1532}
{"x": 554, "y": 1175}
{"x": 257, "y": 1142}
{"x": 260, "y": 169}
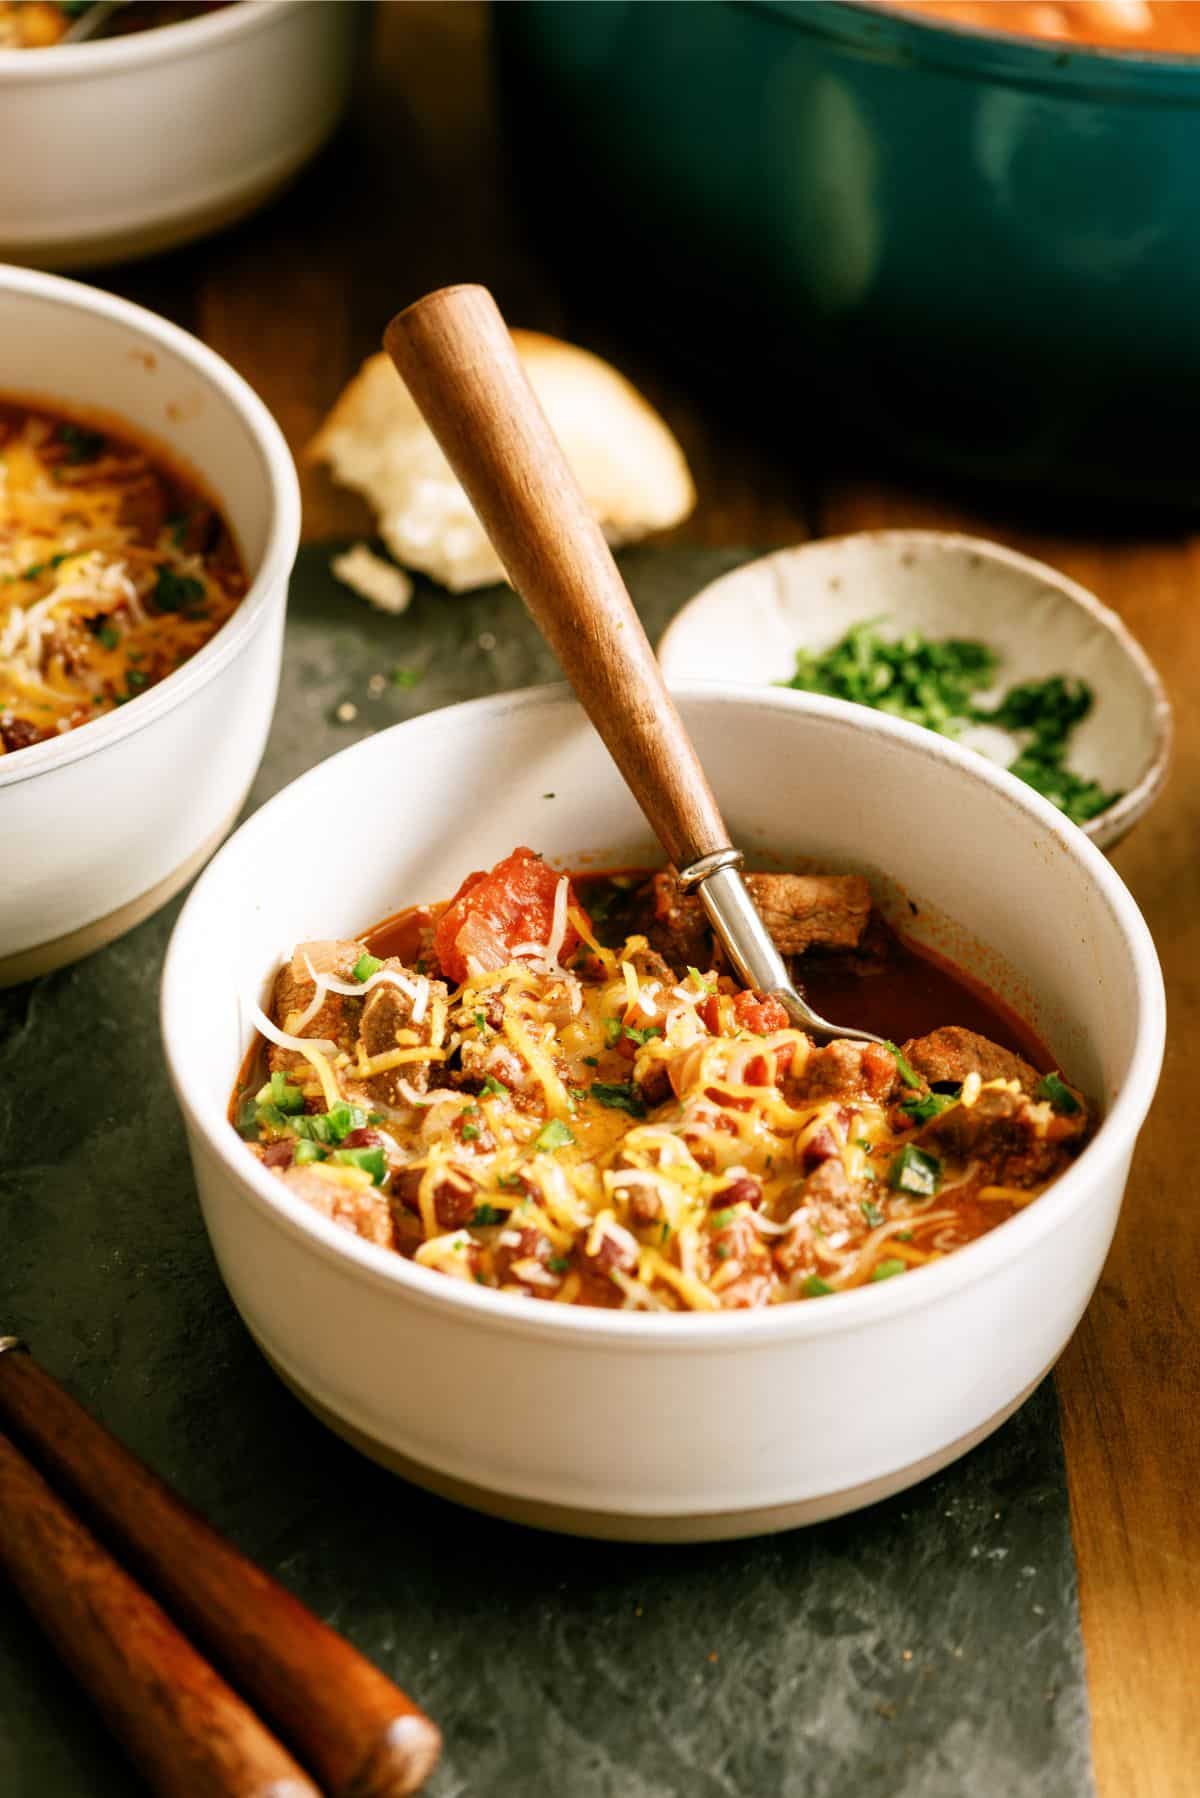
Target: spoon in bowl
{"x": 455, "y": 355}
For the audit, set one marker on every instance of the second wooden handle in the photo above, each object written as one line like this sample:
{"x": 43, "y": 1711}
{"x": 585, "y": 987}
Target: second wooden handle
{"x": 455, "y": 354}
{"x": 358, "y": 1732}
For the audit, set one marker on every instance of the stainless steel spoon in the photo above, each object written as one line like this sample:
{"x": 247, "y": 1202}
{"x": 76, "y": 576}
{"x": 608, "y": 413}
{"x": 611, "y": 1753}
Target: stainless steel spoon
{"x": 456, "y": 356}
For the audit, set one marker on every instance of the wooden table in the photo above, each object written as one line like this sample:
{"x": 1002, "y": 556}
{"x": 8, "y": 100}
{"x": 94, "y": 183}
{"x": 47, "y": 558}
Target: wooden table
{"x": 412, "y": 196}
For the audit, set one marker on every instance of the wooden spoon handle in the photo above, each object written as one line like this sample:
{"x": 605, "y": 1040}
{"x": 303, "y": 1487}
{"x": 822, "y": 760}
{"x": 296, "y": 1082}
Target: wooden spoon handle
{"x": 358, "y": 1732}
{"x": 191, "y": 1736}
{"x": 454, "y": 353}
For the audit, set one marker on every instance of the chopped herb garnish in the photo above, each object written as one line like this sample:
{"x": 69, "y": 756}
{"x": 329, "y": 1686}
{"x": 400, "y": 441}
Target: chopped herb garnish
{"x": 937, "y": 684}
{"x": 365, "y": 966}
{"x": 642, "y": 1036}
{"x": 136, "y": 680}
{"x": 553, "y": 1135}
{"x": 81, "y": 445}
{"x": 815, "y": 1287}
{"x": 470, "y": 1133}
{"x": 915, "y": 1172}
{"x": 484, "y": 1215}
{"x": 271, "y": 1118}
{"x": 108, "y": 636}
{"x": 481, "y": 1022}
{"x": 664, "y": 1233}
{"x": 723, "y": 1251}
{"x": 887, "y": 1270}
{"x": 175, "y": 592}
{"x": 1061, "y": 1098}
{"x": 284, "y": 1094}
{"x": 497, "y": 1087}
{"x": 307, "y": 1151}
{"x": 591, "y": 1061}
{"x": 558, "y": 1264}
{"x": 371, "y": 1160}
{"x": 612, "y": 1031}
{"x": 720, "y": 1220}
{"x": 331, "y": 1126}
{"x": 710, "y": 986}
{"x": 905, "y": 1068}
{"x": 872, "y": 1213}
{"x": 405, "y": 677}
{"x": 508, "y": 1181}
{"x": 921, "y": 1110}
{"x": 618, "y": 1096}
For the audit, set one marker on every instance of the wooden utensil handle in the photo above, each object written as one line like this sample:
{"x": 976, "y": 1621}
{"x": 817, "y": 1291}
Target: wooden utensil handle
{"x": 454, "y": 353}
{"x": 191, "y": 1736}
{"x": 359, "y": 1733}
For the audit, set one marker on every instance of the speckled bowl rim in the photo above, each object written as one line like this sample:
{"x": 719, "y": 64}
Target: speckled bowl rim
{"x": 282, "y": 536}
{"x": 1117, "y": 820}
{"x": 616, "y": 1331}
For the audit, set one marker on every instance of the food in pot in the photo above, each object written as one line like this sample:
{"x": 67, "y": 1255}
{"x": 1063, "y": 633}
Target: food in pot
{"x": 550, "y": 1086}
{"x": 114, "y": 570}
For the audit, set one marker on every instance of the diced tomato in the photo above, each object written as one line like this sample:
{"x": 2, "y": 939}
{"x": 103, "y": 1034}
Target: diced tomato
{"x": 492, "y": 913}
{"x": 760, "y": 1013}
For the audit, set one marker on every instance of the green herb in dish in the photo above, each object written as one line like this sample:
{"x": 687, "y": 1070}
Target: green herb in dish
{"x": 938, "y": 683}
{"x": 915, "y": 1172}
{"x": 554, "y": 1135}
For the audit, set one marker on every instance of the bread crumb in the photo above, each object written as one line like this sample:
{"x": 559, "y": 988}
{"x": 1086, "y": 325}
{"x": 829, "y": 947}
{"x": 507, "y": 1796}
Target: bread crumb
{"x": 381, "y": 583}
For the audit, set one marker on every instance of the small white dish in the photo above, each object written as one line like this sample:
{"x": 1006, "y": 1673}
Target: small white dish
{"x": 748, "y": 625}
{"x": 99, "y": 827}
{"x": 129, "y": 145}
{"x": 613, "y": 1423}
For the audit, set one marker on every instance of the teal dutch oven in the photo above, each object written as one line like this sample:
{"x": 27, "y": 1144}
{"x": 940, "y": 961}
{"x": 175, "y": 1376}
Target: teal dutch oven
{"x": 986, "y": 248}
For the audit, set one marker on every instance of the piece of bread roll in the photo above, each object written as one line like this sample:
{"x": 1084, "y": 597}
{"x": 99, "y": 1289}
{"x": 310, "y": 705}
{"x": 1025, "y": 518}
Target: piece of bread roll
{"x": 631, "y": 469}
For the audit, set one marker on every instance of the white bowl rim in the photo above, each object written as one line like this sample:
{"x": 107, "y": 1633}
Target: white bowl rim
{"x": 105, "y": 56}
{"x": 1112, "y": 823}
{"x": 283, "y": 533}
{"x": 619, "y": 1331}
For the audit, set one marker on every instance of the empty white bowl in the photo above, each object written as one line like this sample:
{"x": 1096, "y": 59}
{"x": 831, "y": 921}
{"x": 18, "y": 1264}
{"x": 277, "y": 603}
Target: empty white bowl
{"x": 748, "y": 625}
{"x": 128, "y": 145}
{"x": 102, "y": 825}
{"x": 635, "y": 1425}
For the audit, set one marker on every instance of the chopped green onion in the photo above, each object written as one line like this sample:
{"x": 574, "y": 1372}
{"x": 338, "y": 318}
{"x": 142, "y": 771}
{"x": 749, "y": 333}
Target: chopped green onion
{"x": 618, "y": 1095}
{"x": 483, "y": 1215}
{"x": 372, "y": 1160}
{"x": 872, "y": 1213}
{"x": 905, "y": 1068}
{"x": 1061, "y": 1098}
{"x": 481, "y": 1022}
{"x": 108, "y": 636}
{"x": 405, "y": 677}
{"x": 921, "y": 1110}
{"x": 553, "y": 1135}
{"x": 720, "y": 1220}
{"x": 492, "y": 1085}
{"x": 642, "y": 1036}
{"x": 591, "y": 1061}
{"x": 508, "y": 1181}
{"x": 558, "y": 1264}
{"x": 815, "y": 1287}
{"x": 271, "y": 1118}
{"x": 914, "y": 1171}
{"x": 365, "y": 966}
{"x": 308, "y": 1151}
{"x": 82, "y": 446}
{"x": 175, "y": 592}
{"x": 612, "y": 1031}
{"x": 887, "y": 1270}
{"x": 470, "y": 1132}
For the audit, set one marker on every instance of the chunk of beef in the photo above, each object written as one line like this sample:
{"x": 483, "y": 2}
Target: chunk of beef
{"x": 522, "y": 1258}
{"x": 948, "y": 1055}
{"x": 801, "y": 911}
{"x": 844, "y": 1070}
{"x": 364, "y": 1210}
{"x": 454, "y": 1195}
{"x": 1006, "y": 1137}
{"x": 388, "y": 1011}
{"x": 337, "y": 1018}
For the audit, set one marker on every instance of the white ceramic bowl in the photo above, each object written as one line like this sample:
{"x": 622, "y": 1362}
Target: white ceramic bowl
{"x": 100, "y": 826}
{"x": 656, "y": 1427}
{"x": 748, "y": 625}
{"x": 129, "y": 145}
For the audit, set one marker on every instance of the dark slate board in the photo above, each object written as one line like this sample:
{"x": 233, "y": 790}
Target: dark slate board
{"x": 927, "y": 1648}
